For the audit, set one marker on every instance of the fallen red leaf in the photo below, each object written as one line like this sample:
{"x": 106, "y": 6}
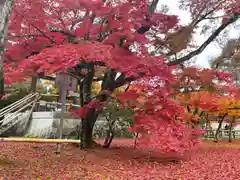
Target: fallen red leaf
{"x": 38, "y": 161}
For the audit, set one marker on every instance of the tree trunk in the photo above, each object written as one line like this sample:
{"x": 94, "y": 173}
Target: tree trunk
{"x": 34, "y": 84}
{"x": 85, "y": 97}
{"x": 108, "y": 85}
{"x": 230, "y": 133}
{"x": 5, "y": 11}
{"x": 135, "y": 140}
{"x": 218, "y": 129}
{"x": 81, "y": 102}
{"x": 230, "y": 130}
{"x": 87, "y": 128}
{"x": 109, "y": 140}
{"x": 110, "y": 135}
{"x": 107, "y": 137}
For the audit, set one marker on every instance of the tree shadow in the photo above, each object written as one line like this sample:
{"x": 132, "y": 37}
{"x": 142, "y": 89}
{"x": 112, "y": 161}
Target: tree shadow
{"x": 132, "y": 154}
{"x": 7, "y": 163}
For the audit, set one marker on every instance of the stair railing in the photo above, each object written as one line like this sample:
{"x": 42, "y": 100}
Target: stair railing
{"x": 10, "y": 115}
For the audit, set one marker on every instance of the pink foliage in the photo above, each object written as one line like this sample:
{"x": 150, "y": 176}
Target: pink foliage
{"x": 54, "y": 53}
{"x": 160, "y": 121}
{"x": 53, "y": 36}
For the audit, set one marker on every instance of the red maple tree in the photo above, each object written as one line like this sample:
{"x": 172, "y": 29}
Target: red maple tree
{"x": 166, "y": 123}
{"x": 52, "y": 36}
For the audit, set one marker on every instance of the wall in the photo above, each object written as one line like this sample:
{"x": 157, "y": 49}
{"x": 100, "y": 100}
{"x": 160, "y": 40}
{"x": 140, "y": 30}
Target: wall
{"x": 45, "y": 123}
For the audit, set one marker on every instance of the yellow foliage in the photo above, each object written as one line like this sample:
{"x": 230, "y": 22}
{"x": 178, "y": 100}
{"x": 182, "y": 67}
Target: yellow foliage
{"x": 96, "y": 87}
{"x": 229, "y": 106}
{"x": 54, "y": 90}
{"x": 118, "y": 91}
{"x": 205, "y": 99}
{"x": 48, "y": 82}
{"x": 196, "y": 98}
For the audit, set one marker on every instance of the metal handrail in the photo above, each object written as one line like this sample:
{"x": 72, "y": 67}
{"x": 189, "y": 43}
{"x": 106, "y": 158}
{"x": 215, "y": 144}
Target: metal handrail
{"x": 58, "y": 103}
{"x": 28, "y": 101}
{"x": 17, "y": 104}
{"x": 24, "y": 107}
{"x": 27, "y": 122}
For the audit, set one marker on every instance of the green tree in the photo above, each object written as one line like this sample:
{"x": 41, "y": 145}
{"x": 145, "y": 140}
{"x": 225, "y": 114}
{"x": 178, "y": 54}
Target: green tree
{"x": 117, "y": 116}
{"x": 16, "y": 92}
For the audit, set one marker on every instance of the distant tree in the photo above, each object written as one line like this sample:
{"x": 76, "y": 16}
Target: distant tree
{"x": 207, "y": 18}
{"x": 229, "y": 59}
{"x": 15, "y": 92}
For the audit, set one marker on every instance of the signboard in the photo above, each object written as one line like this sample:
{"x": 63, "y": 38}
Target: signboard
{"x": 65, "y": 81}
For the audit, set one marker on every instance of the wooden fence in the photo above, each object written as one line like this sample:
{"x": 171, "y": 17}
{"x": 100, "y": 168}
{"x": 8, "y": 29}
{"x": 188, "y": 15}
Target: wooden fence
{"x": 222, "y": 133}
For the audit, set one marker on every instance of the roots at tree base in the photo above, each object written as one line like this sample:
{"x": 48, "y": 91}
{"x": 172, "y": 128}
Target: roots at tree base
{"x": 86, "y": 135}
{"x": 94, "y": 145}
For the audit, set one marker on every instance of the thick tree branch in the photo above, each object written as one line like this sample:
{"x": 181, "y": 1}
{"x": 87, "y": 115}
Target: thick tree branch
{"x": 81, "y": 95}
{"x": 152, "y": 8}
{"x": 47, "y": 78}
{"x": 231, "y": 20}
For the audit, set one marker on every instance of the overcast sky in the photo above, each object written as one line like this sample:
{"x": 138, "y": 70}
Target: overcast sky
{"x": 212, "y": 50}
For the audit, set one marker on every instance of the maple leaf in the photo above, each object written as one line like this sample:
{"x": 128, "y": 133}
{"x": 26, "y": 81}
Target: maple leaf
{"x": 81, "y": 113}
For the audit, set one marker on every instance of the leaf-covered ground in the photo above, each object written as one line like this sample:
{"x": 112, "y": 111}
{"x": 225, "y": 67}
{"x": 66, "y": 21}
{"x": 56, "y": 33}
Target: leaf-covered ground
{"x": 37, "y": 161}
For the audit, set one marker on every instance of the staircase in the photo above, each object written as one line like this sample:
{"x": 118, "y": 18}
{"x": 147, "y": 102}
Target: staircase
{"x": 18, "y": 112}
{"x": 21, "y": 118}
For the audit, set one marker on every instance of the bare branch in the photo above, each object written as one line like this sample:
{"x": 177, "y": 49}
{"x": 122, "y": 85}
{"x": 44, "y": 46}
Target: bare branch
{"x": 231, "y": 20}
{"x": 205, "y": 16}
